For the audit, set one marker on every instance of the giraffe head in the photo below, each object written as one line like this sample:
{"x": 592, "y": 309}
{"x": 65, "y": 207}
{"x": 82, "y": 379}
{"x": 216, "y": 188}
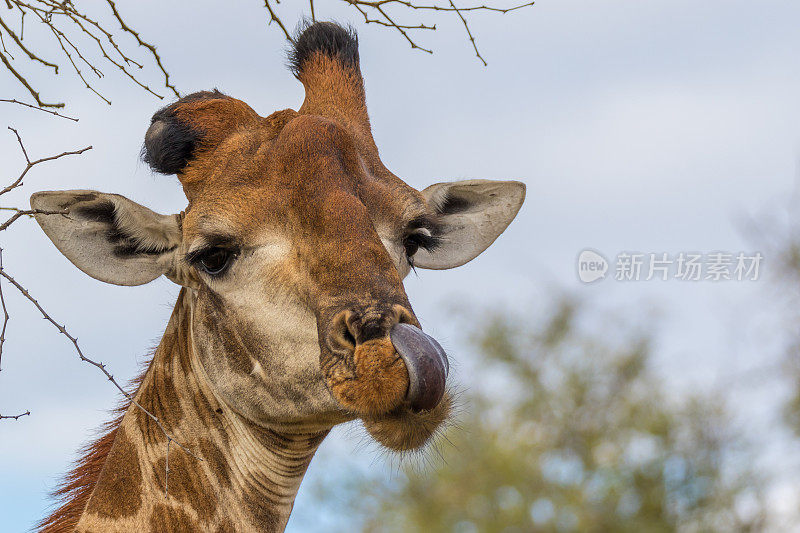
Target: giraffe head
{"x": 293, "y": 248}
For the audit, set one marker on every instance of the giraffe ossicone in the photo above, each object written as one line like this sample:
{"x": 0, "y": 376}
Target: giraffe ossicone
{"x": 292, "y": 316}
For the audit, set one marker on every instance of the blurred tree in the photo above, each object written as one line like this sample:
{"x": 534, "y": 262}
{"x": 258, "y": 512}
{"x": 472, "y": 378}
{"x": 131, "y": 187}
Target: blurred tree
{"x": 581, "y": 437}
{"x": 778, "y": 233}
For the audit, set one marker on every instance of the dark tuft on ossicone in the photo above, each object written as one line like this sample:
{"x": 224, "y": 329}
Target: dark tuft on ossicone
{"x": 169, "y": 142}
{"x": 327, "y": 38}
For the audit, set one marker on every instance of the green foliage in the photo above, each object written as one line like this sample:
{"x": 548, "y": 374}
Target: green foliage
{"x": 575, "y": 435}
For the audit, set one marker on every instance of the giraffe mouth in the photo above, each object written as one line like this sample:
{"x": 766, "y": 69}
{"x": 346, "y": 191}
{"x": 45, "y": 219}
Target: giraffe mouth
{"x": 395, "y": 383}
{"x": 427, "y": 404}
{"x": 427, "y": 365}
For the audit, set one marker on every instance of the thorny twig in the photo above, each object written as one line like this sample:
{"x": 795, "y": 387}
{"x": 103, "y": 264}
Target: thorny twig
{"x": 274, "y": 18}
{"x": 71, "y": 29}
{"x": 27, "y": 212}
{"x": 99, "y": 365}
{"x": 5, "y": 316}
{"x": 166, "y": 471}
{"x": 18, "y": 213}
{"x": 61, "y": 328}
{"x": 402, "y": 31}
{"x": 25, "y": 84}
{"x": 15, "y": 417}
{"x": 19, "y": 43}
{"x": 15, "y": 101}
{"x": 145, "y": 44}
{"x": 469, "y": 33}
{"x": 30, "y": 164}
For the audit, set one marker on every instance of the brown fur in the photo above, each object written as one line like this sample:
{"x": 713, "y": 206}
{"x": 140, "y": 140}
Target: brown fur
{"x": 107, "y": 483}
{"x": 121, "y": 472}
{"x": 260, "y": 174}
{"x": 169, "y": 518}
{"x": 377, "y": 382}
{"x": 336, "y": 93}
{"x": 76, "y": 488}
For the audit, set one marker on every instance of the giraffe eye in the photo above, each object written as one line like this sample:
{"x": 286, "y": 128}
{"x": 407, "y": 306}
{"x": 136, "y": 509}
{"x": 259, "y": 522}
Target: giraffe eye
{"x": 411, "y": 245}
{"x": 214, "y": 261}
{"x": 421, "y": 238}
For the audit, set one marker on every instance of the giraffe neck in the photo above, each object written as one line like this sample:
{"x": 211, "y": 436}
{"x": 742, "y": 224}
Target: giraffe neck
{"x": 243, "y": 478}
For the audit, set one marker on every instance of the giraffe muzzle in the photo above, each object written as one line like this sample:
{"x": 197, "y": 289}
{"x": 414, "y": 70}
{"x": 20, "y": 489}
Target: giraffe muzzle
{"x": 427, "y": 365}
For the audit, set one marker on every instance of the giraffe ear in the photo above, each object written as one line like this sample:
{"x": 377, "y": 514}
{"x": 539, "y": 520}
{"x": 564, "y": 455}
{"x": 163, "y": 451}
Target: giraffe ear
{"x": 472, "y": 214}
{"x": 109, "y": 237}
{"x": 198, "y": 122}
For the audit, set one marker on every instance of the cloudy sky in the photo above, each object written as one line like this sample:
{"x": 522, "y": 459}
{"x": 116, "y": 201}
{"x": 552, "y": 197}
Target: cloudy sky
{"x": 658, "y": 126}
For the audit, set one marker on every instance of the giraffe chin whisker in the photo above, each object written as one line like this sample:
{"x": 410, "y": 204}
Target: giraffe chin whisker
{"x": 407, "y": 429}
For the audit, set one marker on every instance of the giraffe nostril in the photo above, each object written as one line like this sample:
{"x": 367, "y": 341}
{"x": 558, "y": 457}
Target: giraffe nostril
{"x": 341, "y": 338}
{"x": 403, "y": 316}
{"x": 351, "y": 328}
{"x": 348, "y": 338}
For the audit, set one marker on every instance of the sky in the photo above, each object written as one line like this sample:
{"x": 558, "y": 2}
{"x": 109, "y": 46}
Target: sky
{"x": 659, "y": 126}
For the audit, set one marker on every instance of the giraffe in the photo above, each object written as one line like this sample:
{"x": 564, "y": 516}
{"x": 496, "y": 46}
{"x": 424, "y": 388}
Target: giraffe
{"x": 292, "y": 316}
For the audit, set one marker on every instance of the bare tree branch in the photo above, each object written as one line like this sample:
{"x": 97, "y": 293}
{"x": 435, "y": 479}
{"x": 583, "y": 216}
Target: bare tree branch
{"x": 27, "y": 85}
{"x": 398, "y": 28}
{"x": 15, "y": 417}
{"x": 31, "y": 55}
{"x": 4, "y": 275}
{"x": 99, "y": 365}
{"x": 275, "y": 18}
{"x": 27, "y": 212}
{"x": 18, "y": 213}
{"x": 469, "y": 33}
{"x": 55, "y": 113}
{"x": 70, "y": 29}
{"x": 150, "y": 47}
{"x": 451, "y": 8}
{"x": 6, "y": 317}
{"x": 18, "y": 182}
{"x": 166, "y": 471}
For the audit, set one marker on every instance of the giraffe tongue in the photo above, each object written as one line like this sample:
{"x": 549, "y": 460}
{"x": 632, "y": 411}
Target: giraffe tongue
{"x": 426, "y": 362}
